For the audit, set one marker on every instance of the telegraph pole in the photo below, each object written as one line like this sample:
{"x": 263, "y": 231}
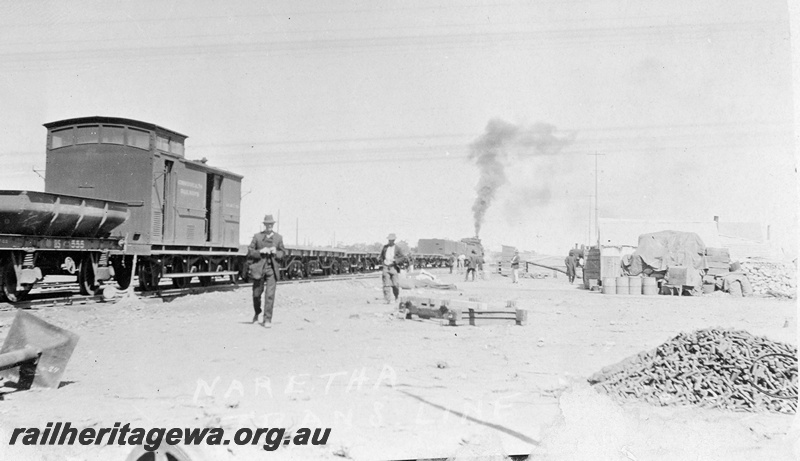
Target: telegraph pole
{"x": 596, "y": 188}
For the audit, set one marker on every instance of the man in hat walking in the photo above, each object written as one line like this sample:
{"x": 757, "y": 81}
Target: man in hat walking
{"x": 262, "y": 255}
{"x": 391, "y": 258}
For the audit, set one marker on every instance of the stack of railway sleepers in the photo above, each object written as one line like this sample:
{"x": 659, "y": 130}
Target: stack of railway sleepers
{"x": 718, "y": 261}
{"x": 455, "y": 312}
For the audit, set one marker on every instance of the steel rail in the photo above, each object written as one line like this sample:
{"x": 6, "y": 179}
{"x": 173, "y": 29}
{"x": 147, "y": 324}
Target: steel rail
{"x": 46, "y": 298}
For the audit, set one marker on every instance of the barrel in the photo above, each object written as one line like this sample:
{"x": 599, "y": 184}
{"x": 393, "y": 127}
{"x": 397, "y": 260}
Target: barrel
{"x": 609, "y": 285}
{"x": 622, "y": 286}
{"x": 635, "y": 285}
{"x": 649, "y": 286}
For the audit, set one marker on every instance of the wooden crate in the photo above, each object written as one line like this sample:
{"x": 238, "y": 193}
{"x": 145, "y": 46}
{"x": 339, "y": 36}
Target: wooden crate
{"x": 717, "y": 271}
{"x": 718, "y": 254}
{"x": 718, "y": 265}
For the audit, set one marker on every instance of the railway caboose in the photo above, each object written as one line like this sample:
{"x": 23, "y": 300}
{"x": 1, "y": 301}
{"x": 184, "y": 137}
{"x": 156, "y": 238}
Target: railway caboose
{"x": 184, "y": 214}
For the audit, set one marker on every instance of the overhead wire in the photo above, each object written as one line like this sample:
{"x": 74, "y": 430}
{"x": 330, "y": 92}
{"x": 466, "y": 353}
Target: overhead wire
{"x": 544, "y": 40}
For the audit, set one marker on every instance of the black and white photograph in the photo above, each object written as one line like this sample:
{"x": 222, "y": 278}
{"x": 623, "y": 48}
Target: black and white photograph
{"x": 478, "y": 230}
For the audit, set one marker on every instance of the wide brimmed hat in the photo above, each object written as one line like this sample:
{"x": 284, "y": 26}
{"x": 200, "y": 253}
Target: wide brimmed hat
{"x": 391, "y": 237}
{"x": 268, "y": 219}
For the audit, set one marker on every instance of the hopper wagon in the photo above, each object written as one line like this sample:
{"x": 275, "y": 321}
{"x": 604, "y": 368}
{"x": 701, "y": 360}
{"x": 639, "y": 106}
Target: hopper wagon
{"x": 48, "y": 234}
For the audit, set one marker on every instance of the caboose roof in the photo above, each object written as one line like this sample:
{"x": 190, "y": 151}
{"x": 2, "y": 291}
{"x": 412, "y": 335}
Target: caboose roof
{"x": 113, "y": 120}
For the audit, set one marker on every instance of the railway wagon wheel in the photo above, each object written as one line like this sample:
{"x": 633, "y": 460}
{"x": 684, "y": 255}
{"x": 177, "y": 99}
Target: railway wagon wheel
{"x": 206, "y": 280}
{"x": 178, "y": 266}
{"x": 123, "y": 271}
{"x": 8, "y": 283}
{"x": 86, "y": 281}
{"x": 309, "y": 269}
{"x": 294, "y": 270}
{"x": 234, "y": 278}
{"x": 149, "y": 275}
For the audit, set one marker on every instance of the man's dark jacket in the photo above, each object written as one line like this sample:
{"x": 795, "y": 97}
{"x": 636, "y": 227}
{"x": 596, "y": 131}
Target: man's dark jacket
{"x": 257, "y": 263}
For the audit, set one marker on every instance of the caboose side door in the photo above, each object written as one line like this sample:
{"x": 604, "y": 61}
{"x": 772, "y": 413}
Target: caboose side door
{"x": 163, "y": 230}
{"x": 214, "y": 208}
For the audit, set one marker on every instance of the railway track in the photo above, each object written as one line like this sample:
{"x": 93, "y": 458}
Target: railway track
{"x": 65, "y": 294}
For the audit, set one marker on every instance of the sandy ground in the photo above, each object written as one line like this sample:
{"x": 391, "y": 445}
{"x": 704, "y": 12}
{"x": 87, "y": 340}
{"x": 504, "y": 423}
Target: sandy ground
{"x": 390, "y": 388}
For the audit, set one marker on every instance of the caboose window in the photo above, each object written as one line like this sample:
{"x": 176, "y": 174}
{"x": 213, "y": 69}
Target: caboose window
{"x": 162, "y": 144}
{"x": 61, "y": 138}
{"x": 176, "y": 148}
{"x": 138, "y": 138}
{"x": 87, "y": 134}
{"x": 113, "y": 135}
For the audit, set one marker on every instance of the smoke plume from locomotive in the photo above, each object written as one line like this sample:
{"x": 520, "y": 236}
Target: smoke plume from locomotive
{"x": 491, "y": 153}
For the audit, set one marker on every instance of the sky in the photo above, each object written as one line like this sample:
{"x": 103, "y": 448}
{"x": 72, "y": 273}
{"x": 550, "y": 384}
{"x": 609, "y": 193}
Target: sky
{"x": 354, "y": 119}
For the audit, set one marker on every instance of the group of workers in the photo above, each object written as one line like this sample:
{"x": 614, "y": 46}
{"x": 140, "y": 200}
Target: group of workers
{"x": 472, "y": 264}
{"x": 266, "y": 249}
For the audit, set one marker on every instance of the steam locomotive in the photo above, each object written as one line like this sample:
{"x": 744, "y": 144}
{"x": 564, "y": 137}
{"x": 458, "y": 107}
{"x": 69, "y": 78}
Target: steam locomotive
{"x": 121, "y": 200}
{"x": 438, "y": 252}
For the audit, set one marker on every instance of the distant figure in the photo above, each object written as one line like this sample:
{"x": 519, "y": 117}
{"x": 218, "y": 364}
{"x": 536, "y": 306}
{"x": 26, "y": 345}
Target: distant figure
{"x": 263, "y": 268}
{"x": 481, "y": 262}
{"x": 471, "y": 266}
{"x": 391, "y": 258}
{"x": 515, "y": 267}
{"x": 453, "y": 261}
{"x": 462, "y": 260}
{"x": 570, "y": 262}
{"x": 578, "y": 253}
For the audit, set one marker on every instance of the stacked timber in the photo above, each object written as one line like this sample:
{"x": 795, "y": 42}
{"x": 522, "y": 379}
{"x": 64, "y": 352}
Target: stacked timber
{"x": 771, "y": 278}
{"x": 718, "y": 261}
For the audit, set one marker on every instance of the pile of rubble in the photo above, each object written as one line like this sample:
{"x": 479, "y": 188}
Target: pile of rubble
{"x": 714, "y": 368}
{"x": 768, "y": 278}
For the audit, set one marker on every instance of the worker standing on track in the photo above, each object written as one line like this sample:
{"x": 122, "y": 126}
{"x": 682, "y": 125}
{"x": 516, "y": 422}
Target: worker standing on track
{"x": 515, "y": 267}
{"x": 391, "y": 258}
{"x": 263, "y": 268}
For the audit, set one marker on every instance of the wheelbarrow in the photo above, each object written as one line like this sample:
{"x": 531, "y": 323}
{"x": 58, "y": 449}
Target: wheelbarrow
{"x": 35, "y": 353}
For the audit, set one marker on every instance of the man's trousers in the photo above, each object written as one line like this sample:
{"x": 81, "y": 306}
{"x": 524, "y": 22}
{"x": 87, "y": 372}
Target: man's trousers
{"x": 267, "y": 284}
